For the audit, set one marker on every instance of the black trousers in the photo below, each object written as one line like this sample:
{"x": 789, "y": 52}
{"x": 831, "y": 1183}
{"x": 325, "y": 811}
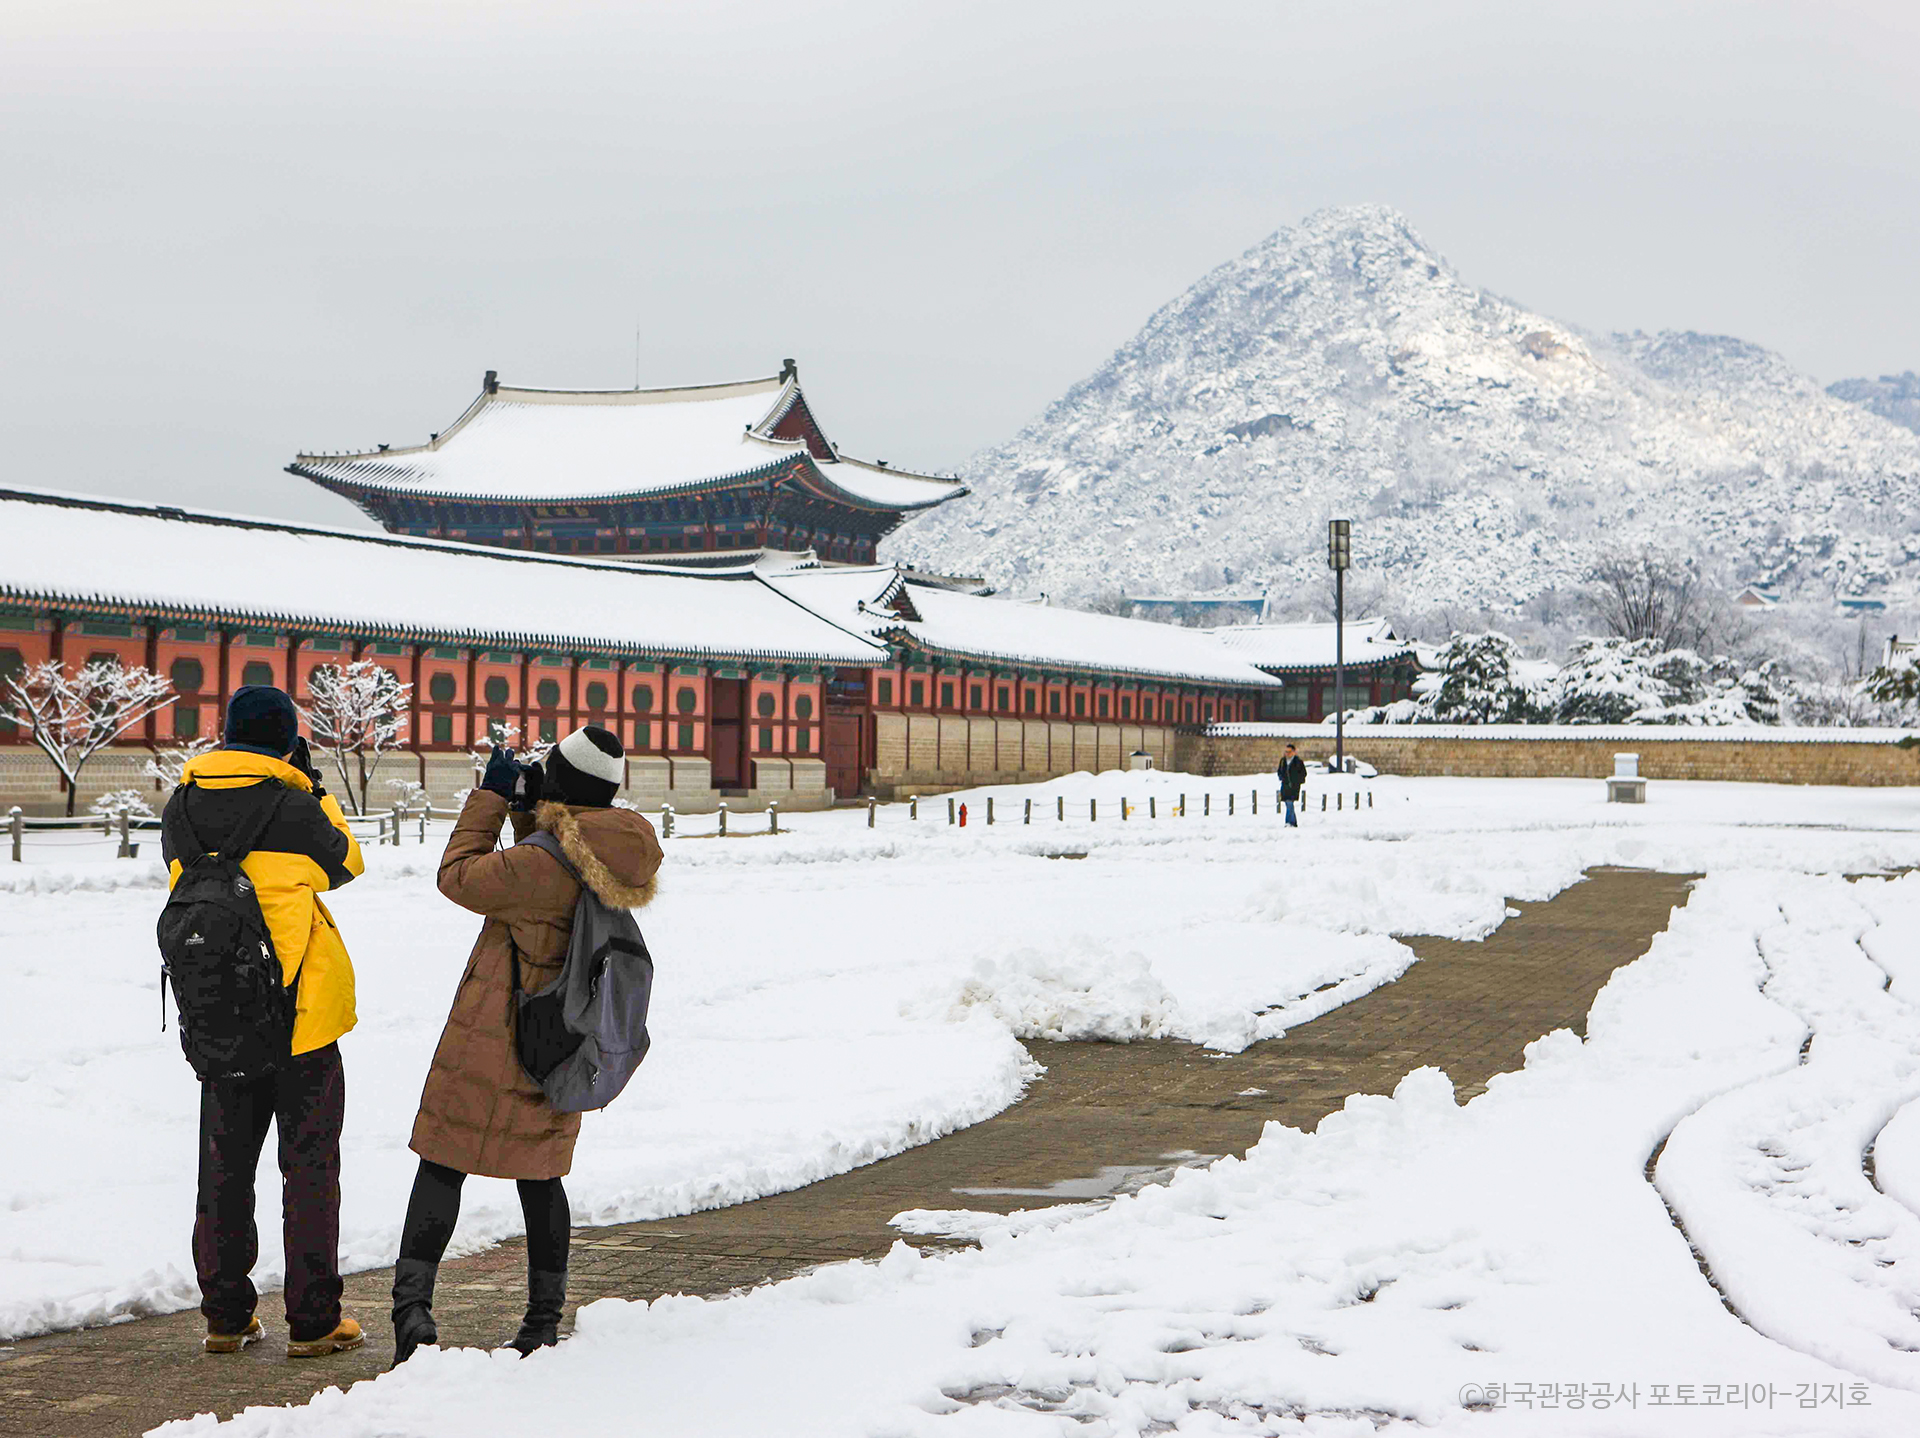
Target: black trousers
{"x": 306, "y": 1101}
{"x": 434, "y": 1208}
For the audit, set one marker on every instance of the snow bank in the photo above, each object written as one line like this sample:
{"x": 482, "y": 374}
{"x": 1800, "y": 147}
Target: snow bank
{"x": 1503, "y": 1266}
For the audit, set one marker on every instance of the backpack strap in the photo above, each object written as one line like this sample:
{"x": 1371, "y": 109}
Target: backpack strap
{"x": 188, "y": 848}
{"x": 544, "y": 841}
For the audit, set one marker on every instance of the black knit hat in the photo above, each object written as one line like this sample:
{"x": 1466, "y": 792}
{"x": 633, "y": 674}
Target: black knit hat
{"x": 262, "y": 717}
{"x": 585, "y": 768}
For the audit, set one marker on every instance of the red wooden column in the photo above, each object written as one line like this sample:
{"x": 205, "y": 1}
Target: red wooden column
{"x": 526, "y": 679}
{"x": 223, "y": 681}
{"x": 473, "y": 676}
{"x": 573, "y": 693}
{"x": 620, "y": 712}
{"x": 150, "y": 725}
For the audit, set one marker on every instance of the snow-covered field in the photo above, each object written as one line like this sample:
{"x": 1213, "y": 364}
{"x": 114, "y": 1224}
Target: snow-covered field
{"x": 838, "y": 993}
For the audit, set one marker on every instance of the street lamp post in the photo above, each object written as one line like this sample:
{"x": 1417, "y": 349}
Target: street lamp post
{"x": 1339, "y": 559}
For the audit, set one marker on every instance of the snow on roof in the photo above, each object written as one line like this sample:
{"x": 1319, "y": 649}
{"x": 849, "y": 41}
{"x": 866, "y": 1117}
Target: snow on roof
{"x": 1311, "y": 646}
{"x": 878, "y": 484}
{"x": 1006, "y": 631}
{"x": 69, "y": 549}
{"x": 556, "y": 445}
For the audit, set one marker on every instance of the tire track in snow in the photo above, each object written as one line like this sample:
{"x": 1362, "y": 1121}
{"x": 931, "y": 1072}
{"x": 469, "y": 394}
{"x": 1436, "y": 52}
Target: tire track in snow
{"x": 1795, "y": 1195}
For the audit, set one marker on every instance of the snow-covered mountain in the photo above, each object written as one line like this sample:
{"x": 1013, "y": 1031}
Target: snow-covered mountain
{"x": 1484, "y": 452}
{"x": 1892, "y": 396}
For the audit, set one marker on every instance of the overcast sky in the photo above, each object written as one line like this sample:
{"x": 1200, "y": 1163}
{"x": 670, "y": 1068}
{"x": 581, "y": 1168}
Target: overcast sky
{"x": 235, "y": 231}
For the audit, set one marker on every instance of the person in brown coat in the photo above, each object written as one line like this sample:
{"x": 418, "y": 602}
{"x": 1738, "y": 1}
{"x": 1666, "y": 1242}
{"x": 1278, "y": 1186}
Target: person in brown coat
{"x": 479, "y": 1111}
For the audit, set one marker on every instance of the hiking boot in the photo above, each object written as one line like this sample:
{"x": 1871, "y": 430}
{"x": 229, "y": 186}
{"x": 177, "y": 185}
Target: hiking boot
{"x": 346, "y": 1334}
{"x": 218, "y": 1342}
{"x": 546, "y": 1296}
{"x": 413, "y": 1325}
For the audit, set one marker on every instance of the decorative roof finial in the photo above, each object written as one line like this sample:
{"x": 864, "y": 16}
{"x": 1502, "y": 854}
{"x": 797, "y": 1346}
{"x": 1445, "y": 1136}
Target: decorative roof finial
{"x": 789, "y": 370}
{"x": 491, "y": 384}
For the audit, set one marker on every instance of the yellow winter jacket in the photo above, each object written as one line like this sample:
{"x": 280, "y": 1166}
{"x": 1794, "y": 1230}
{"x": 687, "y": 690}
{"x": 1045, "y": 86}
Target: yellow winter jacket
{"x": 305, "y": 850}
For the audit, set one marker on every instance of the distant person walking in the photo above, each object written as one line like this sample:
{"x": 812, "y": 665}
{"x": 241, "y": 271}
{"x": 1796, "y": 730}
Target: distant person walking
{"x": 259, "y": 798}
{"x": 1293, "y": 782}
{"x": 480, "y": 1112}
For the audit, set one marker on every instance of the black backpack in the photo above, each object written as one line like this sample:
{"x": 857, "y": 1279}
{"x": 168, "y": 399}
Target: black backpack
{"x": 236, "y": 1014}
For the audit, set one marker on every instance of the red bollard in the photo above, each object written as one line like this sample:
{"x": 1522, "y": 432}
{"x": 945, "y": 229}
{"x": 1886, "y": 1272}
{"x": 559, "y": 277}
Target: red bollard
{"x": 963, "y": 816}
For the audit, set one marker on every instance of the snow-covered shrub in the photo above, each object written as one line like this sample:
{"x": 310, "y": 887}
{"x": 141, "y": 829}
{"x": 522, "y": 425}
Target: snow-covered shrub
{"x": 1639, "y": 681}
{"x": 114, "y": 803}
{"x": 1478, "y": 679}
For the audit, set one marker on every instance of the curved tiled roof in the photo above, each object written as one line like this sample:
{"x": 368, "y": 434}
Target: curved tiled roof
{"x": 72, "y": 550}
{"x": 544, "y": 445}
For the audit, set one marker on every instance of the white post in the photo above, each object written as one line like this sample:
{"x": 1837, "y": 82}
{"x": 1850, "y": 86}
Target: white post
{"x": 773, "y": 816}
{"x": 17, "y": 827}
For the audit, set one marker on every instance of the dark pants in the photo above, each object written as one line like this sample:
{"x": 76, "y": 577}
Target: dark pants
{"x": 306, "y": 1102}
{"x": 434, "y": 1208}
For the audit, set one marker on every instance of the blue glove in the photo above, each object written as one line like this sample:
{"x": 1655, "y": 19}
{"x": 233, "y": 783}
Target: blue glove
{"x": 502, "y": 771}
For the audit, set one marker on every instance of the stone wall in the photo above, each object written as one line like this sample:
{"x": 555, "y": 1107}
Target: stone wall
{"x": 932, "y": 753}
{"x": 28, "y": 779}
{"x": 1818, "y": 757}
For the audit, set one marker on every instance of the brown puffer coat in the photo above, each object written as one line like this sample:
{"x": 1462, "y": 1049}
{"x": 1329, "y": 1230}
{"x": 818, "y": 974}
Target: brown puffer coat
{"x": 479, "y": 1112}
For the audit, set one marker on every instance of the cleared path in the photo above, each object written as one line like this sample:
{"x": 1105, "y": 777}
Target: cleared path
{"x": 1105, "y": 1115}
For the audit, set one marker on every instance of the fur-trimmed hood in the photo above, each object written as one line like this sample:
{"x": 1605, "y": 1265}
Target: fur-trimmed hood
{"x": 614, "y": 849}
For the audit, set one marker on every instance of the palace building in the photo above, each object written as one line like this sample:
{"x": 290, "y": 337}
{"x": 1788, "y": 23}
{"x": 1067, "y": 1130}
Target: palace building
{"x": 703, "y": 474}
{"x": 770, "y": 678}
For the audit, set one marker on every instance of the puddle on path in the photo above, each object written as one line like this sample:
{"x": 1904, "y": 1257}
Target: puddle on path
{"x": 1112, "y": 1179}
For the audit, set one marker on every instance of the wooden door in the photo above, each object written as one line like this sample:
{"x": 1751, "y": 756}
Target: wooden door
{"x": 727, "y": 746}
{"x": 842, "y": 743}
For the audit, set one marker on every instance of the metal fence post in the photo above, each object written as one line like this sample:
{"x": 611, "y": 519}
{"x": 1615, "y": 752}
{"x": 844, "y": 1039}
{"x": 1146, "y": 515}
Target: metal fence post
{"x": 1093, "y": 811}
{"x": 1026, "y": 820}
{"x": 773, "y": 816}
{"x": 1060, "y": 808}
{"x": 872, "y": 805}
{"x": 1229, "y": 806}
{"x": 723, "y": 818}
{"x": 1153, "y": 806}
{"x": 949, "y": 808}
{"x": 1183, "y": 806}
{"x": 913, "y": 806}
{"x": 1124, "y": 814}
{"x": 1206, "y": 805}
{"x": 1253, "y": 801}
{"x": 666, "y": 821}
{"x": 423, "y": 823}
{"x": 989, "y": 808}
{"x": 17, "y": 827}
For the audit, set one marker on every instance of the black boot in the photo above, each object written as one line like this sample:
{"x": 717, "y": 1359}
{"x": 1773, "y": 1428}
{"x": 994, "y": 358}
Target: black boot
{"x": 413, "y": 1325}
{"x": 546, "y": 1296}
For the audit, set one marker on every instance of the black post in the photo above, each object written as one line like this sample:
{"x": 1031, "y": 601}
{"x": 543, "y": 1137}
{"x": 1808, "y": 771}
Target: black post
{"x": 1339, "y": 556}
{"x": 1340, "y": 670}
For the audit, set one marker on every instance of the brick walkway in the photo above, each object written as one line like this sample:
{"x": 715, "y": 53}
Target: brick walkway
{"x": 1126, "y": 1109}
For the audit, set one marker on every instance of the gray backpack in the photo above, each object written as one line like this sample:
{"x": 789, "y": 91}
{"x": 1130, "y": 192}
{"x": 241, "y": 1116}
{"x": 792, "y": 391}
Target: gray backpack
{"x": 583, "y": 1035}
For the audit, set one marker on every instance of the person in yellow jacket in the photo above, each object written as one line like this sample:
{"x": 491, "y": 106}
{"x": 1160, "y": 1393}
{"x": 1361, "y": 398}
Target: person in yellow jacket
{"x": 305, "y": 850}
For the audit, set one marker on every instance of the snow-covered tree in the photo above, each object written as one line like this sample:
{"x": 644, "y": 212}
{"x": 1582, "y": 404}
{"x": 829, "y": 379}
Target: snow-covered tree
{"x": 113, "y": 804}
{"x": 72, "y": 715}
{"x": 1477, "y": 679}
{"x": 1640, "y": 681}
{"x": 166, "y": 766}
{"x": 359, "y": 712}
{"x": 506, "y": 734}
{"x": 1895, "y": 689}
{"x": 1480, "y": 682}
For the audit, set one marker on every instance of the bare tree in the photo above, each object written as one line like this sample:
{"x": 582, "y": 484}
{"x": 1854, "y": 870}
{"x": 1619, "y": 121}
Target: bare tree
{"x": 1647, "y": 594}
{"x": 72, "y": 716}
{"x": 166, "y": 766}
{"x": 359, "y": 713}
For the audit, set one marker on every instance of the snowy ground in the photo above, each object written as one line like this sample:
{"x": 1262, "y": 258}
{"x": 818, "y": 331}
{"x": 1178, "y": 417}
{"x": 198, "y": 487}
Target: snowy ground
{"x": 837, "y": 993}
